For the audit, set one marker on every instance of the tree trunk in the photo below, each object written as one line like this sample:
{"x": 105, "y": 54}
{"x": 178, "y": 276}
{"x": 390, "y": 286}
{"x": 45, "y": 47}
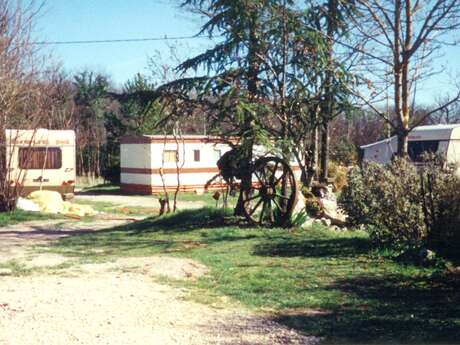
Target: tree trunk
{"x": 324, "y": 152}
{"x": 405, "y": 84}
{"x": 329, "y": 108}
{"x": 311, "y": 161}
{"x": 403, "y": 144}
{"x": 248, "y": 138}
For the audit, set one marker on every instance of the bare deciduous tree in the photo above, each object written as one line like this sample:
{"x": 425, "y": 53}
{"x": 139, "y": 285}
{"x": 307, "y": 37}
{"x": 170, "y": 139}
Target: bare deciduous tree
{"x": 403, "y": 37}
{"x": 22, "y": 90}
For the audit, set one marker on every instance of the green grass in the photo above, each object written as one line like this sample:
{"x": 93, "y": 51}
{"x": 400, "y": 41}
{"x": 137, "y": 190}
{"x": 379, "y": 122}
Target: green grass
{"x": 206, "y": 199}
{"x": 13, "y": 268}
{"x": 320, "y": 282}
{"x": 105, "y": 188}
{"x": 19, "y": 216}
{"x": 108, "y": 207}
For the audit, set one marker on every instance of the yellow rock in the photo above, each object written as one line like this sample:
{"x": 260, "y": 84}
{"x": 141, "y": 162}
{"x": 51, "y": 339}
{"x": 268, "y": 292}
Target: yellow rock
{"x": 48, "y": 201}
{"x": 52, "y": 202}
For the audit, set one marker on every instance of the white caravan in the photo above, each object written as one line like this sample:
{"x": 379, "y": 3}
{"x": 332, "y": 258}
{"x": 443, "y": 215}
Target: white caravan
{"x": 441, "y": 139}
{"x": 148, "y": 163}
{"x": 41, "y": 159}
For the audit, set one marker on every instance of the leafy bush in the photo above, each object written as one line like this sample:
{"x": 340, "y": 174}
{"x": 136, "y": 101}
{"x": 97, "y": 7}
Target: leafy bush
{"x": 344, "y": 152}
{"x": 339, "y": 175}
{"x": 312, "y": 205}
{"x": 388, "y": 199}
{"x": 403, "y": 207}
{"x": 441, "y": 204}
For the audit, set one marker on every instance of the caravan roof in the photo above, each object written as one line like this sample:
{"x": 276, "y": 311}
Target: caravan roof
{"x": 435, "y": 132}
{"x": 431, "y": 132}
{"x": 40, "y": 137}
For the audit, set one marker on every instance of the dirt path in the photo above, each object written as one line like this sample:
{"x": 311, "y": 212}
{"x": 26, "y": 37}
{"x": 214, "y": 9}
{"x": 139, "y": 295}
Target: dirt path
{"x": 119, "y": 302}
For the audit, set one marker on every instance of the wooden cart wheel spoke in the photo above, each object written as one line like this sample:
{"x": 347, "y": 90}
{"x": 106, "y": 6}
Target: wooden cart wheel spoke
{"x": 254, "y": 197}
{"x": 262, "y": 212}
{"x": 270, "y": 212}
{"x": 281, "y": 178}
{"x": 281, "y": 209}
{"x": 255, "y": 207}
{"x": 264, "y": 171}
{"x": 258, "y": 177}
{"x": 282, "y": 196}
{"x": 267, "y": 214}
{"x": 273, "y": 176}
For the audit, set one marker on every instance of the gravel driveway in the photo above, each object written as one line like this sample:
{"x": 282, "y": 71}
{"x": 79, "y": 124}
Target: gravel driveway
{"x": 119, "y": 302}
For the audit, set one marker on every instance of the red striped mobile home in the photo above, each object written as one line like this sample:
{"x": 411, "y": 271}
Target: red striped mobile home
{"x": 149, "y": 164}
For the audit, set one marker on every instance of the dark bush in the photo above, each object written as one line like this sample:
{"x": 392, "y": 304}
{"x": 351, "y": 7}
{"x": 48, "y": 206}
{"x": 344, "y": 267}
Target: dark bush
{"x": 404, "y": 207}
{"x": 441, "y": 204}
{"x": 338, "y": 174}
{"x": 387, "y": 198}
{"x": 344, "y": 152}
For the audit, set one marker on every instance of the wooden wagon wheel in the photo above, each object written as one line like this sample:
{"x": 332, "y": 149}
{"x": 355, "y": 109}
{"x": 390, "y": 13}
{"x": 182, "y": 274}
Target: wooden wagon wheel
{"x": 273, "y": 194}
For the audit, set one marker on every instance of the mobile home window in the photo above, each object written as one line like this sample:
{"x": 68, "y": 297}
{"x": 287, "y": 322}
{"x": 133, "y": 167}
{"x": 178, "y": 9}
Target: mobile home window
{"x": 196, "y": 155}
{"x": 417, "y": 148}
{"x": 40, "y": 158}
{"x": 170, "y": 156}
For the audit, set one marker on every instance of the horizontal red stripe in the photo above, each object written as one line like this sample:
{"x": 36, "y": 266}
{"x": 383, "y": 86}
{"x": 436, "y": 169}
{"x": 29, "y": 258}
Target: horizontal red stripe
{"x": 146, "y": 171}
{"x": 169, "y": 170}
{"x": 171, "y": 140}
{"x": 146, "y": 189}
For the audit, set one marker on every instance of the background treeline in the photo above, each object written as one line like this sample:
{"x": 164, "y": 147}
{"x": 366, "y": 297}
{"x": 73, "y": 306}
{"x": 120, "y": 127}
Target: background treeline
{"x": 88, "y": 103}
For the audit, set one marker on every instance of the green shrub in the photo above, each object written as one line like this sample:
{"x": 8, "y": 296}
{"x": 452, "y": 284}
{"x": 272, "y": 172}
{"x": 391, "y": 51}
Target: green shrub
{"x": 312, "y": 205}
{"x": 338, "y": 173}
{"x": 402, "y": 207}
{"x": 441, "y": 204}
{"x": 388, "y": 199}
{"x": 344, "y": 152}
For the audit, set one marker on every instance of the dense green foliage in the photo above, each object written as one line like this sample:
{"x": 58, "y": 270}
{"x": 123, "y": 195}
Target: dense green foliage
{"x": 405, "y": 207}
{"x": 273, "y": 77}
{"x": 441, "y": 204}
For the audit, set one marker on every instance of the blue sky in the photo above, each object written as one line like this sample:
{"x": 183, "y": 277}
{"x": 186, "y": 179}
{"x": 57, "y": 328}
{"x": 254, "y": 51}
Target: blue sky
{"x": 69, "y": 20}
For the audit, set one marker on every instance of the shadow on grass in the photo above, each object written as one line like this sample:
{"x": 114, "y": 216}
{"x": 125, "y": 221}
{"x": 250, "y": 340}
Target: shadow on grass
{"x": 186, "y": 220}
{"x": 156, "y": 235}
{"x": 388, "y": 309}
{"x": 101, "y": 189}
{"x": 333, "y": 247}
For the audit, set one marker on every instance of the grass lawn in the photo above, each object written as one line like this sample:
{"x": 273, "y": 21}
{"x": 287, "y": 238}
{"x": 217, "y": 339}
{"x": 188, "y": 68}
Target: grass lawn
{"x": 317, "y": 281}
{"x": 105, "y": 188}
{"x": 109, "y": 207}
{"x": 19, "y": 216}
{"x": 206, "y": 198}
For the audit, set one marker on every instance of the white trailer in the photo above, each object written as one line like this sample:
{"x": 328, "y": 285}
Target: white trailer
{"x": 441, "y": 139}
{"x": 41, "y": 159}
{"x": 149, "y": 165}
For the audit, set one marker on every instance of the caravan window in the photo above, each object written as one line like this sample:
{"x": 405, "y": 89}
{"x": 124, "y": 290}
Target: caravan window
{"x": 196, "y": 155}
{"x": 40, "y": 158}
{"x": 170, "y": 156}
{"x": 417, "y": 148}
